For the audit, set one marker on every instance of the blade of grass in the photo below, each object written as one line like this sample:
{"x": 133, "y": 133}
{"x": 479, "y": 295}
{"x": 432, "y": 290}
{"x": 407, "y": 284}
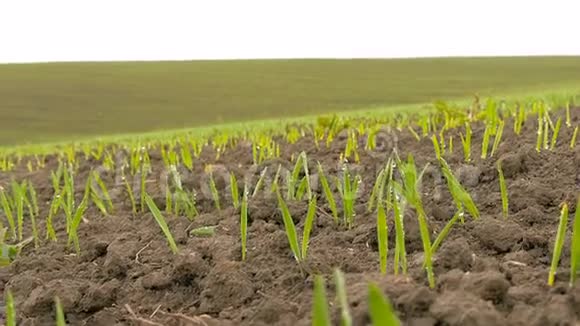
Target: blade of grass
{"x": 380, "y": 309}
{"x": 575, "y": 251}
{"x": 345, "y": 317}
{"x": 214, "y": 192}
{"x": 310, "y": 215}
{"x": 400, "y": 259}
{"x": 574, "y": 136}
{"x": 261, "y": 181}
{"x": 76, "y": 221}
{"x": 446, "y": 229}
{"x": 161, "y": 221}
{"x": 436, "y": 147}
{"x": 234, "y": 190}
{"x": 290, "y": 228}
{"x": 7, "y": 209}
{"x": 55, "y": 205}
{"x": 32, "y": 214}
{"x": 328, "y": 193}
{"x": 103, "y": 191}
{"x": 382, "y": 237}
{"x": 375, "y": 193}
{"x": 503, "y": 191}
{"x": 408, "y": 171}
{"x": 559, "y": 244}
{"x": 485, "y": 143}
{"x": 540, "y": 133}
{"x": 244, "y": 221}
{"x": 10, "y": 309}
{"x": 18, "y": 194}
{"x": 320, "y": 314}
{"x": 60, "y": 320}
{"x": 498, "y": 135}
{"x": 555, "y": 134}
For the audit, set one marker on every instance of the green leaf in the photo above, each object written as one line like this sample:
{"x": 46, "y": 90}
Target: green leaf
{"x": 310, "y": 215}
{"x": 345, "y": 317}
{"x": 10, "y": 309}
{"x": 328, "y": 193}
{"x": 320, "y": 314}
{"x": 290, "y": 228}
{"x": 380, "y": 309}
{"x": 244, "y": 222}
{"x": 162, "y": 224}
{"x": 382, "y": 236}
{"x": 575, "y": 251}
{"x": 60, "y": 320}
{"x": 559, "y": 244}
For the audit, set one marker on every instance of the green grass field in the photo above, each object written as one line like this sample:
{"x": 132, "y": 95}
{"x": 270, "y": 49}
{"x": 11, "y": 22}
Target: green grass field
{"x": 61, "y": 101}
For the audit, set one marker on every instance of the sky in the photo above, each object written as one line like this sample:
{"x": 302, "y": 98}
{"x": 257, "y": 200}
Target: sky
{"x": 110, "y": 30}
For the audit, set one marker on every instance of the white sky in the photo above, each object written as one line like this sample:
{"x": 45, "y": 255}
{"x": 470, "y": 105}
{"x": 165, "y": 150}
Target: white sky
{"x": 77, "y": 30}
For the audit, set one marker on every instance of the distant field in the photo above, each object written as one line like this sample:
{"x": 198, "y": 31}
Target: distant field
{"x": 50, "y": 102}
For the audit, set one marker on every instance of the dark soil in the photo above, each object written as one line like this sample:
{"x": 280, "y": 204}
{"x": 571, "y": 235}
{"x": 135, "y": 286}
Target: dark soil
{"x": 490, "y": 271}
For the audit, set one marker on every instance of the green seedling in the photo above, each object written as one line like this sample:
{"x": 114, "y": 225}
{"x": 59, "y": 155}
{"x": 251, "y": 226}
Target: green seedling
{"x": 460, "y": 196}
{"x": 10, "y": 309}
{"x": 382, "y": 238}
{"x": 214, "y": 192}
{"x": 497, "y": 139}
{"x": 348, "y": 190}
{"x": 410, "y": 189}
{"x": 234, "y": 190}
{"x": 100, "y": 190}
{"x": 485, "y": 143}
{"x": 186, "y": 157}
{"x": 436, "y": 147}
{"x": 8, "y": 253}
{"x": 555, "y": 134}
{"x": 19, "y": 194}
{"x": 60, "y": 320}
{"x": 130, "y": 194}
{"x": 466, "y": 143}
{"x": 450, "y": 150}
{"x": 380, "y": 309}
{"x": 328, "y": 193}
{"x": 575, "y": 251}
{"x": 75, "y": 223}
{"x": 568, "y": 117}
{"x": 376, "y": 199}
{"x": 8, "y": 212}
{"x": 274, "y": 186}
{"x": 503, "y": 191}
{"x": 559, "y": 244}
{"x": 345, "y": 317}
{"x": 574, "y": 136}
{"x": 308, "y": 223}
{"x": 320, "y": 313}
{"x": 161, "y": 222}
{"x": 351, "y": 149}
{"x": 443, "y": 234}
{"x": 400, "y": 259}
{"x": 519, "y": 120}
{"x": 296, "y": 186}
{"x": 260, "y": 182}
{"x": 540, "y": 133}
{"x": 244, "y": 221}
{"x": 290, "y": 228}
{"x": 414, "y": 133}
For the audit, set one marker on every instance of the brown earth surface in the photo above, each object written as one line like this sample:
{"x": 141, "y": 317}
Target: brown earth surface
{"x": 490, "y": 271}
